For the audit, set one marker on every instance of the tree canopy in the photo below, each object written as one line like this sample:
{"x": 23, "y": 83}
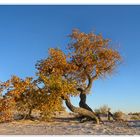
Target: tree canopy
{"x": 61, "y": 75}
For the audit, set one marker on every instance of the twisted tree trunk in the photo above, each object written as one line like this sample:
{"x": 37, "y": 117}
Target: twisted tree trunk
{"x": 83, "y": 104}
{"x": 83, "y": 93}
{"x": 81, "y": 111}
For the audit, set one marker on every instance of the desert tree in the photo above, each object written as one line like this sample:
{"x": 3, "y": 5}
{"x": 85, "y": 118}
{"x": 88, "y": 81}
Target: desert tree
{"x": 89, "y": 57}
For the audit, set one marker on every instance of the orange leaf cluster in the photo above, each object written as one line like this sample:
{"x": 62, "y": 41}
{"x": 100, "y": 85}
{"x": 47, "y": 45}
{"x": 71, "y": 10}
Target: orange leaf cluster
{"x": 92, "y": 54}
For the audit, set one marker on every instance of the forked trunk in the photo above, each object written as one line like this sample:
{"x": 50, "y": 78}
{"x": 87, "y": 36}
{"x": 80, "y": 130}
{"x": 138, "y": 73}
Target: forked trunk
{"x": 81, "y": 111}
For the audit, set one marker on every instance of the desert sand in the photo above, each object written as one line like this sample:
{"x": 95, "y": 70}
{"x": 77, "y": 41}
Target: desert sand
{"x": 67, "y": 125}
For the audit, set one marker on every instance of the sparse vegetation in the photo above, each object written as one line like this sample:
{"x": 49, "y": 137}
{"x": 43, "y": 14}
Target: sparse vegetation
{"x": 102, "y": 110}
{"x": 135, "y": 117}
{"x": 135, "y": 113}
{"x": 118, "y": 115}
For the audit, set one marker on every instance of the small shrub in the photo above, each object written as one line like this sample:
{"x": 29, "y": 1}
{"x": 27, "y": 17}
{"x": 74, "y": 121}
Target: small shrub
{"x": 118, "y": 115}
{"x": 102, "y": 110}
{"x": 136, "y": 117}
{"x": 136, "y": 113}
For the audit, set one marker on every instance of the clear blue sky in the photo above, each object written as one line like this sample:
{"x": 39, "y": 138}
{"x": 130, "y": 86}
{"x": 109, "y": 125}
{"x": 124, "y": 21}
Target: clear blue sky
{"x": 26, "y": 33}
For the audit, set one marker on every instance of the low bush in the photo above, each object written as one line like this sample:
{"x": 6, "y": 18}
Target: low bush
{"x": 118, "y": 115}
{"x": 102, "y": 110}
{"x": 136, "y": 117}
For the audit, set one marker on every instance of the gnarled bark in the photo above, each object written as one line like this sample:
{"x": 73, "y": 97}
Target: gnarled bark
{"x": 82, "y": 102}
{"x": 81, "y": 111}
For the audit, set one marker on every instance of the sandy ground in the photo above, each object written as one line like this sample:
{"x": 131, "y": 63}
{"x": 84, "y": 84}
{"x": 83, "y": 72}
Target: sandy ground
{"x": 69, "y": 126}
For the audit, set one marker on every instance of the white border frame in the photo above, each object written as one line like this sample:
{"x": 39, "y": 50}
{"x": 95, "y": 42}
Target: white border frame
{"x": 69, "y": 2}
